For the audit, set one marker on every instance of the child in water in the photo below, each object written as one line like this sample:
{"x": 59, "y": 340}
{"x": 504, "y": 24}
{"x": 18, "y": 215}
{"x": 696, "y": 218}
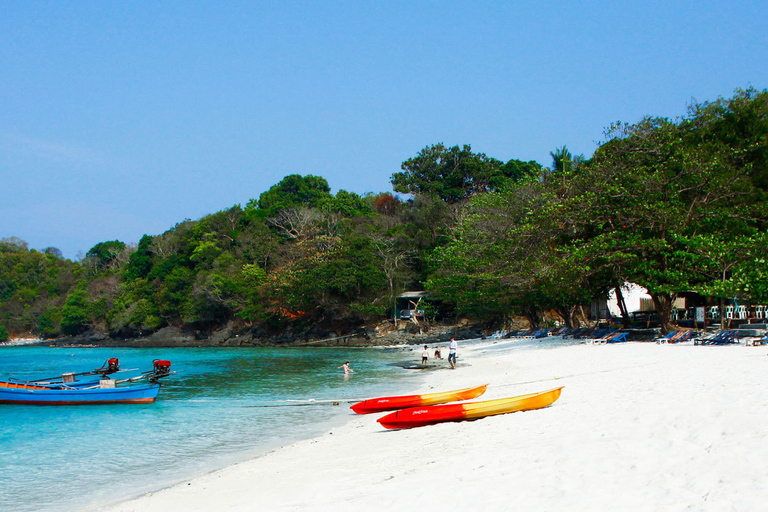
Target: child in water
{"x": 346, "y": 369}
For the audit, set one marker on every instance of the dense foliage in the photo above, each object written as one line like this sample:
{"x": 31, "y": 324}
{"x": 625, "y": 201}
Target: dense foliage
{"x": 673, "y": 205}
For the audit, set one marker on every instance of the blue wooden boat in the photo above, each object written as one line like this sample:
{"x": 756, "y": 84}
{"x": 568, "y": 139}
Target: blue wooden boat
{"x": 16, "y": 393}
{"x": 103, "y": 391}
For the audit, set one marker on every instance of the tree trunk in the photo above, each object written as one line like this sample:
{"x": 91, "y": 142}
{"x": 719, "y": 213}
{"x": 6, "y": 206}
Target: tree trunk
{"x": 532, "y": 316}
{"x": 625, "y": 320}
{"x": 565, "y": 314}
{"x": 584, "y": 316}
{"x": 573, "y": 317}
{"x": 663, "y": 303}
{"x": 722, "y": 313}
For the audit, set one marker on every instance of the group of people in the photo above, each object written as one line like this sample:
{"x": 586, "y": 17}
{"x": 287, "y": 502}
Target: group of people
{"x": 452, "y": 348}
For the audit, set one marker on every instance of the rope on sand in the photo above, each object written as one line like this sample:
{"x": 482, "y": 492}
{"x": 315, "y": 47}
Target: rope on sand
{"x": 308, "y": 402}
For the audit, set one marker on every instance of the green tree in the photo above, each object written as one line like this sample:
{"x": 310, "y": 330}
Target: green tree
{"x": 13, "y": 244}
{"x": 456, "y": 174}
{"x": 294, "y": 191}
{"x": 104, "y": 253}
{"x": 75, "y": 314}
{"x": 346, "y": 203}
{"x": 140, "y": 262}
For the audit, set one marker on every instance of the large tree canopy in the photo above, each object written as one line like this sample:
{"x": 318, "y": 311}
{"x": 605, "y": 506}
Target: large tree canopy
{"x": 673, "y": 205}
{"x": 295, "y": 191}
{"x": 456, "y": 173}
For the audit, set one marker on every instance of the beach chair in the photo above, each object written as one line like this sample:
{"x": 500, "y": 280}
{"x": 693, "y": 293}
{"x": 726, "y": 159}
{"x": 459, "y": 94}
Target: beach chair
{"x": 583, "y": 332}
{"x": 762, "y": 340}
{"x": 613, "y": 337}
{"x": 666, "y": 337}
{"x": 720, "y": 338}
{"x": 600, "y": 333}
{"x": 677, "y": 336}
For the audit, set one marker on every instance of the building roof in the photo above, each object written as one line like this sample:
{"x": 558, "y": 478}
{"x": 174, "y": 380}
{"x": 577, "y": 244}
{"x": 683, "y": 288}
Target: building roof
{"x": 412, "y": 295}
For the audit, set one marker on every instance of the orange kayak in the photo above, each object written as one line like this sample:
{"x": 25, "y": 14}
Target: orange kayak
{"x": 421, "y": 416}
{"x": 390, "y": 403}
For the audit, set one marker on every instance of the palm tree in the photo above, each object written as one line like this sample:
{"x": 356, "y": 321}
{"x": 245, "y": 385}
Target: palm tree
{"x": 563, "y": 160}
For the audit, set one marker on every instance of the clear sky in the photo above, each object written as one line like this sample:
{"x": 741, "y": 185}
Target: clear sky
{"x": 119, "y": 119}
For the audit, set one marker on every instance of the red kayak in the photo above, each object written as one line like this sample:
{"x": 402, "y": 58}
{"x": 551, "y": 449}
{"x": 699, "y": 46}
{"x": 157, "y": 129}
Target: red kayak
{"x": 391, "y": 403}
{"x": 421, "y": 416}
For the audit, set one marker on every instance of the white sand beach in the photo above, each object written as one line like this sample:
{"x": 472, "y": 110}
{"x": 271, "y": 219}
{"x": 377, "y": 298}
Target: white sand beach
{"x": 639, "y": 426}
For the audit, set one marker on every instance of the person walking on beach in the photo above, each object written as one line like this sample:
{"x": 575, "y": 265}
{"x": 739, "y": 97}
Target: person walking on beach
{"x": 346, "y": 369}
{"x": 424, "y": 356}
{"x": 452, "y": 348}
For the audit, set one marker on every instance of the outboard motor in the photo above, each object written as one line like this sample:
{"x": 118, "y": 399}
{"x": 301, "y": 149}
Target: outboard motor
{"x": 161, "y": 368}
{"x": 113, "y": 365}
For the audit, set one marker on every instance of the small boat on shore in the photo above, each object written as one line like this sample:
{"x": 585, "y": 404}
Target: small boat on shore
{"x": 102, "y": 391}
{"x": 391, "y": 403}
{"x": 422, "y": 416}
{"x": 110, "y": 367}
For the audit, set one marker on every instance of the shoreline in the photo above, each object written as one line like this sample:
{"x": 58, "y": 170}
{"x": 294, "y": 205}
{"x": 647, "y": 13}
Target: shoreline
{"x": 232, "y": 336}
{"x": 638, "y": 426}
{"x": 227, "y": 406}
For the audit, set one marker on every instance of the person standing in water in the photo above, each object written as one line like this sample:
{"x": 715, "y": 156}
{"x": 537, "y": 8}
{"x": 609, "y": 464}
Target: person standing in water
{"x": 424, "y": 356}
{"x": 452, "y": 348}
{"x": 346, "y": 369}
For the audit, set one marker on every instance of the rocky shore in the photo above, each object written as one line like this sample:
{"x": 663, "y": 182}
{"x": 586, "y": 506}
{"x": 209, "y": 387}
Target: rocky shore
{"x": 232, "y": 336}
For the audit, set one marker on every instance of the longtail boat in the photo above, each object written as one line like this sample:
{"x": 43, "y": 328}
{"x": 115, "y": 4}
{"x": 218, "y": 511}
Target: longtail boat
{"x": 391, "y": 403}
{"x": 102, "y": 391}
{"x": 110, "y": 367}
{"x": 421, "y": 416}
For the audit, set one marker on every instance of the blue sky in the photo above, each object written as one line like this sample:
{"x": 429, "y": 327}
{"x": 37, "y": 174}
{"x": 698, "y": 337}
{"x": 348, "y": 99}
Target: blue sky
{"x": 119, "y": 119}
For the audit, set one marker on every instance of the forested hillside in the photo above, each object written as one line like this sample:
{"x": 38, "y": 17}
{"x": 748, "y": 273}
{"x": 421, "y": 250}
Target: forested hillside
{"x": 673, "y": 205}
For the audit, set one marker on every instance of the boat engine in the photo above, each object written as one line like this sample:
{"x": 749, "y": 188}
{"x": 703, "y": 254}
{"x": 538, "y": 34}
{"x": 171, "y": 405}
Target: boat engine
{"x": 162, "y": 367}
{"x": 113, "y": 365}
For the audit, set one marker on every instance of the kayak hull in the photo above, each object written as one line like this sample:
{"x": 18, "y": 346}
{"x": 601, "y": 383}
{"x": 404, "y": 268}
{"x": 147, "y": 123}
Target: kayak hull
{"x": 391, "y": 403}
{"x": 422, "y": 416}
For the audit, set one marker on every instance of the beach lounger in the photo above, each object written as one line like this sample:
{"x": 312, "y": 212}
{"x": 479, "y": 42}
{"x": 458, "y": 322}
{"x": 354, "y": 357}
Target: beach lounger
{"x": 667, "y": 337}
{"x": 612, "y": 337}
{"x": 536, "y": 333}
{"x": 600, "y": 333}
{"x": 676, "y": 336}
{"x": 582, "y": 332}
{"x": 616, "y": 337}
{"x": 720, "y": 338}
{"x": 563, "y": 331}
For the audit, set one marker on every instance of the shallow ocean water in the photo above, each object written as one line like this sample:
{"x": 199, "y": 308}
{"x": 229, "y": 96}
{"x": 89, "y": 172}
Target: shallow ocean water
{"x": 224, "y": 406}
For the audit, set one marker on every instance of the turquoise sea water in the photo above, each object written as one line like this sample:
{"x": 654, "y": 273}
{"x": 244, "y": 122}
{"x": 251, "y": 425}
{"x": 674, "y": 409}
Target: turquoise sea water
{"x": 224, "y": 406}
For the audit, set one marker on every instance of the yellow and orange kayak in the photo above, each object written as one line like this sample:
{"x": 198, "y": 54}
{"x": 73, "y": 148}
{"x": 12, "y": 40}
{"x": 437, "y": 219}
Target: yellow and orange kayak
{"x": 390, "y": 403}
{"x": 421, "y": 416}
